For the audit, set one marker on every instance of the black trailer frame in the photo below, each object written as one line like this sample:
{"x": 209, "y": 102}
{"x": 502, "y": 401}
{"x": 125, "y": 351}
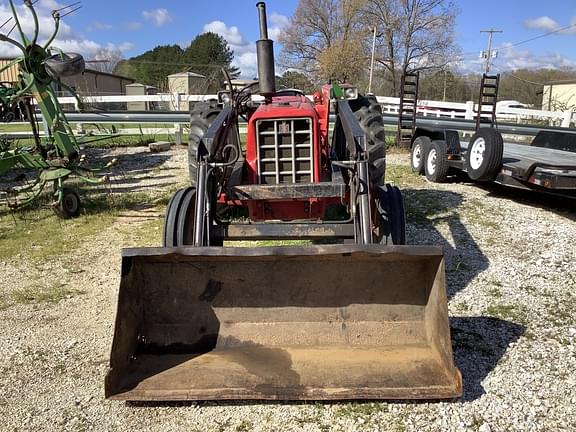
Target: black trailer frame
{"x": 547, "y": 164}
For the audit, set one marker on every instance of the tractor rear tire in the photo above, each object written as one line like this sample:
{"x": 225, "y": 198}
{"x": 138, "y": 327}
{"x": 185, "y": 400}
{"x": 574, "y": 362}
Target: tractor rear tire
{"x": 390, "y": 217}
{"x": 201, "y": 117}
{"x": 369, "y": 114}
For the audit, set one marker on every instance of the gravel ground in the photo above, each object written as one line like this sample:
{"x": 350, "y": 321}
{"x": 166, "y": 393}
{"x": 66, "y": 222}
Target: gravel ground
{"x": 511, "y": 270}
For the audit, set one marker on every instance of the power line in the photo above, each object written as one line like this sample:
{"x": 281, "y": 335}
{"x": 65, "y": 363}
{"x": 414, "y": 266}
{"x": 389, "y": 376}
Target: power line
{"x": 541, "y": 36}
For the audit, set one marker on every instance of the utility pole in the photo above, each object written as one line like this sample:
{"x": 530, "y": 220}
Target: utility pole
{"x": 372, "y": 62}
{"x": 488, "y": 54}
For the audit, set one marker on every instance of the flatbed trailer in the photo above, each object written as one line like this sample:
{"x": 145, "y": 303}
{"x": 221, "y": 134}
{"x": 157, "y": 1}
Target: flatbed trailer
{"x": 547, "y": 164}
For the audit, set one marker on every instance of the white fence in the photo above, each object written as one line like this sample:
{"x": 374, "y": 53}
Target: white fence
{"x": 389, "y": 105}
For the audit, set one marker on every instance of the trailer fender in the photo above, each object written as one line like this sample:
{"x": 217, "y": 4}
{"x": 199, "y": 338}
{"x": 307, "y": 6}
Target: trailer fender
{"x": 449, "y": 136}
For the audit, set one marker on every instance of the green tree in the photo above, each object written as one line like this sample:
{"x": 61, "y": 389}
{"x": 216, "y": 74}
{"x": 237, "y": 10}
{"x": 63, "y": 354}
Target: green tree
{"x": 209, "y": 52}
{"x": 154, "y": 66}
{"x": 206, "y": 55}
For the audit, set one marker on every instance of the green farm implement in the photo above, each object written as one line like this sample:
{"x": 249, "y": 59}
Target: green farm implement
{"x": 56, "y": 156}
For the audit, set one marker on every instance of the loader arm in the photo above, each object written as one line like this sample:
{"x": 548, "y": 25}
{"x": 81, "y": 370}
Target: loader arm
{"x": 360, "y": 183}
{"x": 211, "y": 156}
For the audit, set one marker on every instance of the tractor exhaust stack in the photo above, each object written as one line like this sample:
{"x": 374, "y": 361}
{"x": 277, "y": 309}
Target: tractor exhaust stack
{"x": 265, "y": 55}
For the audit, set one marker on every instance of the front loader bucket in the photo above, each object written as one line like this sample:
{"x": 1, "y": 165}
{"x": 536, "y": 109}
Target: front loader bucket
{"x": 289, "y": 323}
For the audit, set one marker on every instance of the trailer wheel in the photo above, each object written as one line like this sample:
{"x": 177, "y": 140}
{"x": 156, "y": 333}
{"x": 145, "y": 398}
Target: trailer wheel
{"x": 418, "y": 153}
{"x": 201, "y": 117}
{"x": 69, "y": 206}
{"x": 436, "y": 166}
{"x": 484, "y": 155}
{"x": 369, "y": 114}
{"x": 391, "y": 216}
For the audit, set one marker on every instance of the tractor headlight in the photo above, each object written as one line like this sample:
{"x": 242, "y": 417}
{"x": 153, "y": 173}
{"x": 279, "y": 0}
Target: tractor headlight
{"x": 224, "y": 97}
{"x": 351, "y": 93}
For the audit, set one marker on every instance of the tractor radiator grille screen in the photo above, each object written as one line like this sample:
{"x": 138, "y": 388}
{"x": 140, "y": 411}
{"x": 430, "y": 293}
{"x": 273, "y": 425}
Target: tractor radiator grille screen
{"x": 285, "y": 151}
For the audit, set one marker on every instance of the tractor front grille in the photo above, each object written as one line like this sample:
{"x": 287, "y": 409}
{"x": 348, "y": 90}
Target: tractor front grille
{"x": 285, "y": 151}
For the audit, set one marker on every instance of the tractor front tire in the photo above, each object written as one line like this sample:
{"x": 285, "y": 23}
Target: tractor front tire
{"x": 369, "y": 114}
{"x": 390, "y": 217}
{"x": 201, "y": 117}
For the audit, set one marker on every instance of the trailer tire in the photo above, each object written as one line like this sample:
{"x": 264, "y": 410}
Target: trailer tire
{"x": 418, "y": 153}
{"x": 391, "y": 216}
{"x": 201, "y": 117}
{"x": 369, "y": 114}
{"x": 484, "y": 155}
{"x": 436, "y": 163}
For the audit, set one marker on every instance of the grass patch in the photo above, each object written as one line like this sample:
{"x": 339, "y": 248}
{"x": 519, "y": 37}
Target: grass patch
{"x": 38, "y": 294}
{"x": 38, "y": 235}
{"x": 244, "y": 426}
{"x": 495, "y": 292}
{"x": 507, "y": 312}
{"x": 354, "y": 410}
{"x": 402, "y": 176}
{"x": 476, "y": 212}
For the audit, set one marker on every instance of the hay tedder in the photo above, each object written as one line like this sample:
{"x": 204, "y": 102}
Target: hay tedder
{"x": 56, "y": 156}
{"x": 355, "y": 315}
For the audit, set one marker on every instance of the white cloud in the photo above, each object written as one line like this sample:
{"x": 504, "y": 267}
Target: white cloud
{"x": 244, "y": 50}
{"x": 98, "y": 25}
{"x": 279, "y": 23}
{"x": 67, "y": 39}
{"x": 543, "y": 22}
{"x": 158, "y": 17}
{"x": 133, "y": 25}
{"x": 511, "y": 58}
{"x": 548, "y": 24}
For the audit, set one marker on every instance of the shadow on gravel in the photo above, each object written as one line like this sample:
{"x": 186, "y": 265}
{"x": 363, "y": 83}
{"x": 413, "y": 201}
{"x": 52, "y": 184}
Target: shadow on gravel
{"x": 563, "y": 206}
{"x": 425, "y": 208}
{"x": 479, "y": 343}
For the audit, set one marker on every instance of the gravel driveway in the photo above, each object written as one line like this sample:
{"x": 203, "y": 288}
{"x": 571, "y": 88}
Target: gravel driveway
{"x": 511, "y": 266}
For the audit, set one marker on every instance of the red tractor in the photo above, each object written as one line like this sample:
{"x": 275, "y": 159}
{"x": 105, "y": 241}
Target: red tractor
{"x": 295, "y": 179}
{"x": 200, "y": 321}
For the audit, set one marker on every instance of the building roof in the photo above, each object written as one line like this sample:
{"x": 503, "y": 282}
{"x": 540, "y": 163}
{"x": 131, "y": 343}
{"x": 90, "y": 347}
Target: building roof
{"x": 561, "y": 82}
{"x": 95, "y": 72}
{"x": 187, "y": 74}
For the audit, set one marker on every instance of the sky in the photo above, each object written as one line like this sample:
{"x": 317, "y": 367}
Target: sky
{"x": 132, "y": 27}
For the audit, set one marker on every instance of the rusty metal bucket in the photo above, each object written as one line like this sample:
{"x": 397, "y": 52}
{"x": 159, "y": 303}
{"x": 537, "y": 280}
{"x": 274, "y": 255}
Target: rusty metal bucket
{"x": 288, "y": 323}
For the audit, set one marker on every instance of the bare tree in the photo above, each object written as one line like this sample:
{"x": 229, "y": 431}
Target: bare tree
{"x": 105, "y": 60}
{"x": 325, "y": 39}
{"x": 413, "y": 35}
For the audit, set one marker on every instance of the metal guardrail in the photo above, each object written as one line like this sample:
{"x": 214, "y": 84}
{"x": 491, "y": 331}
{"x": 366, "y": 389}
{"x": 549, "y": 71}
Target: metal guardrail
{"x": 182, "y": 117}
